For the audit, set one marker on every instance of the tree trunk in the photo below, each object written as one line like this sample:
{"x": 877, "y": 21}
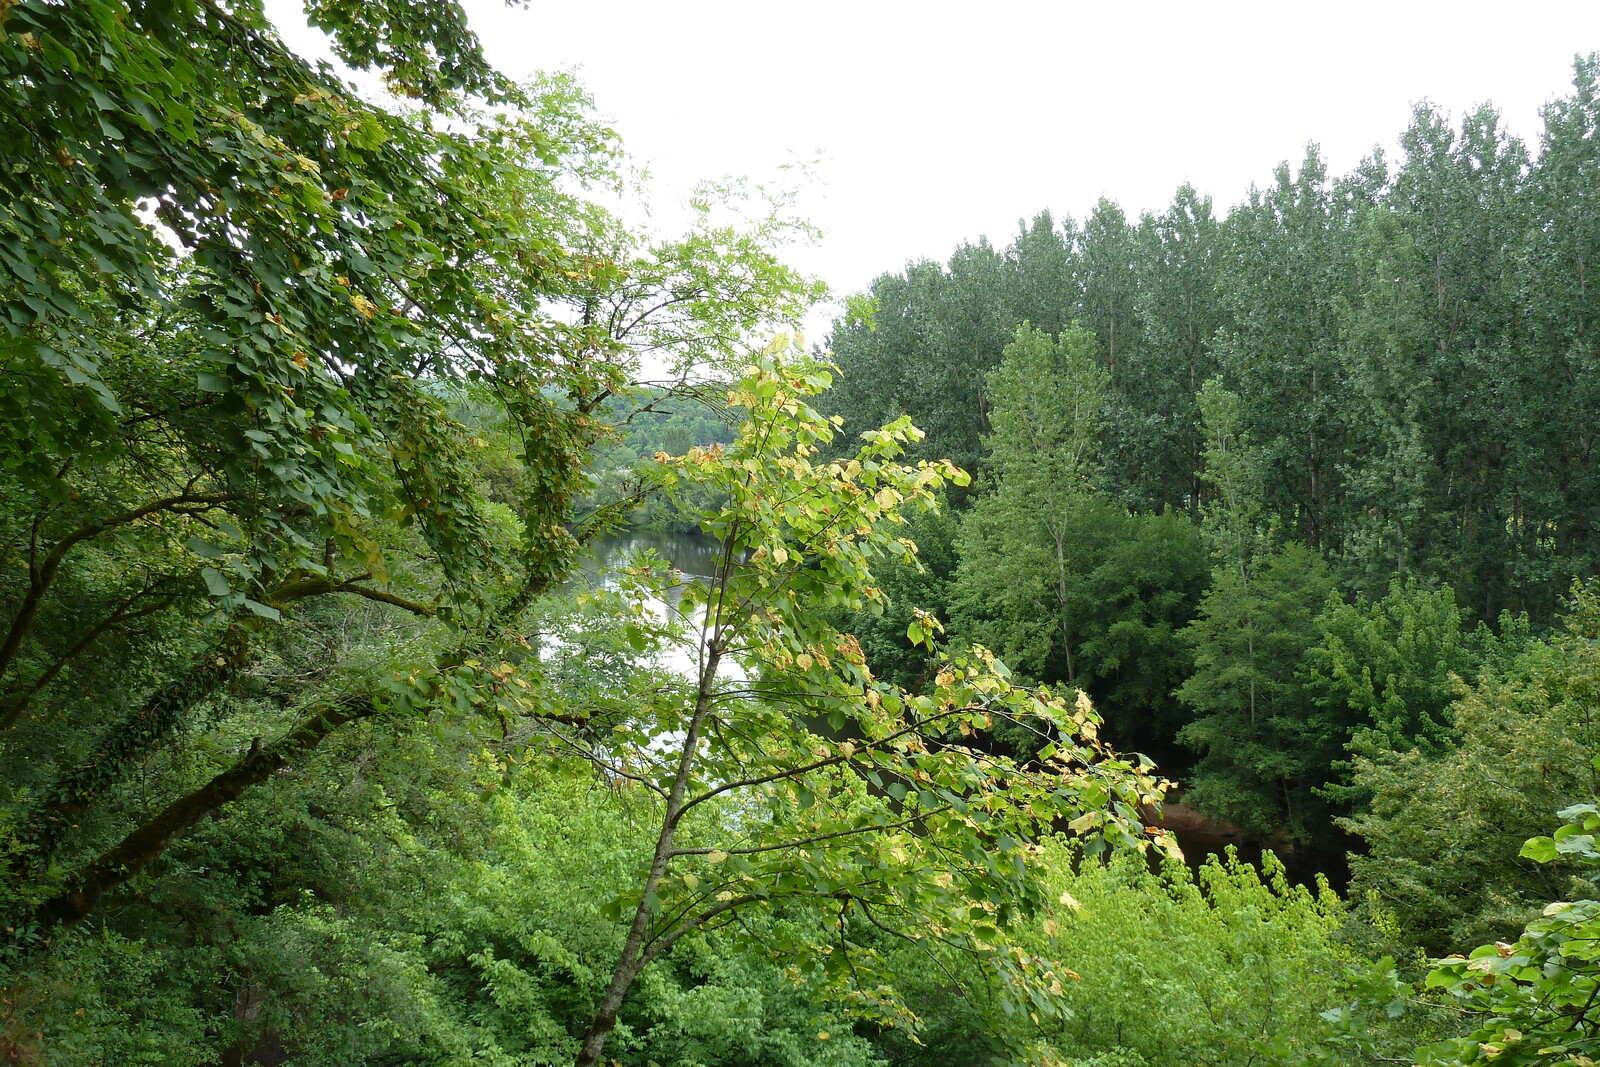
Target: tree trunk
{"x": 122, "y": 744}
{"x": 1250, "y": 651}
{"x": 1061, "y": 599}
{"x": 631, "y": 960}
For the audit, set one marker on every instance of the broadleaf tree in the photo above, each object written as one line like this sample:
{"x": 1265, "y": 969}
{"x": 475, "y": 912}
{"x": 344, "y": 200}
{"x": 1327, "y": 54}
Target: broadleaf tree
{"x": 1250, "y": 637}
{"x": 242, "y": 309}
{"x": 1536, "y": 1000}
{"x": 1047, "y": 398}
{"x": 785, "y": 775}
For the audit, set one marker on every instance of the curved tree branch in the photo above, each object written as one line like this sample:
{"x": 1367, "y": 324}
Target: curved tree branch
{"x": 145, "y": 844}
{"x": 42, "y": 574}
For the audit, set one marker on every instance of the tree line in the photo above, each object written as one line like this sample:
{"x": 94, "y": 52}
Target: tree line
{"x": 1412, "y": 344}
{"x": 1263, "y": 481}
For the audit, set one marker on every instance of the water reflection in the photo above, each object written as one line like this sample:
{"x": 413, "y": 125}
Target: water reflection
{"x": 694, "y": 555}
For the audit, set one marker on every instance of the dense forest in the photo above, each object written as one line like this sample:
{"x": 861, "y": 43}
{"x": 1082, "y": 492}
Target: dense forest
{"x": 1264, "y": 481}
{"x": 313, "y": 750}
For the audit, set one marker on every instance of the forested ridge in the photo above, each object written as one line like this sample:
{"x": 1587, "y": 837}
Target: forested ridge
{"x": 316, "y": 752}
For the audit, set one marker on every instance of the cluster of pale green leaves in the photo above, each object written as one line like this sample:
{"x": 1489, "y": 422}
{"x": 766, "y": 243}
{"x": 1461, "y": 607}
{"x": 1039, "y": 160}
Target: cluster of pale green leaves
{"x": 1224, "y": 965}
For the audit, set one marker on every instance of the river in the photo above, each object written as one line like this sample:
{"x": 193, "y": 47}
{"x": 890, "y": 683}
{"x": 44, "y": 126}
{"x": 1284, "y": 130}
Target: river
{"x": 693, "y": 554}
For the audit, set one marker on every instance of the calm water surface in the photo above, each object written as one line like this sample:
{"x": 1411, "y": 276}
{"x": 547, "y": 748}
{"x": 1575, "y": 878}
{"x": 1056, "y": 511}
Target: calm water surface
{"x": 693, "y": 554}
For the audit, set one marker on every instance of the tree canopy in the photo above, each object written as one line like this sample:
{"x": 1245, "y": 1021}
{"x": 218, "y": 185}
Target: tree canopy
{"x": 316, "y": 749}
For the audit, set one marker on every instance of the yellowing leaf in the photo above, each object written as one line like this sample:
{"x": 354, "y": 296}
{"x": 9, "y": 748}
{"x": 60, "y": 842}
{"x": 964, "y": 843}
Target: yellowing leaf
{"x": 1084, "y": 823}
{"x": 1169, "y": 845}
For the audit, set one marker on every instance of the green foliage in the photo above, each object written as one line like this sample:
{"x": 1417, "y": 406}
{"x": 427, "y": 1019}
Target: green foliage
{"x": 237, "y": 298}
{"x": 307, "y": 219}
{"x": 1550, "y": 469}
{"x": 1407, "y": 342}
{"x": 1535, "y": 999}
{"x": 304, "y": 408}
{"x": 1153, "y": 425}
{"x": 1047, "y": 395}
{"x": 1067, "y": 585}
{"x": 921, "y": 584}
{"x": 893, "y": 821}
{"x": 1443, "y": 832}
{"x": 647, "y": 422}
{"x": 1255, "y": 720}
{"x": 1386, "y": 673}
{"x": 1106, "y": 272}
{"x": 1390, "y": 663}
{"x": 92, "y": 1004}
{"x": 419, "y": 909}
{"x": 1133, "y": 582}
{"x": 312, "y": 384}
{"x": 1286, "y": 250}
{"x": 520, "y": 958}
{"x": 250, "y": 315}
{"x": 1235, "y": 519}
{"x": 1227, "y": 966}
{"x": 934, "y": 332}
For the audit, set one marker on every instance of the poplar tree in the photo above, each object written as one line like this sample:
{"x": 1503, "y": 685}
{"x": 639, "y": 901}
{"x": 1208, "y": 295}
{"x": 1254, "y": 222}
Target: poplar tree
{"x": 1016, "y": 558}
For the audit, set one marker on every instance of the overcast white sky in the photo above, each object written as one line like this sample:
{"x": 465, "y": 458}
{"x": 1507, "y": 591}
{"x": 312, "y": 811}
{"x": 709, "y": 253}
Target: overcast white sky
{"x": 940, "y": 123}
